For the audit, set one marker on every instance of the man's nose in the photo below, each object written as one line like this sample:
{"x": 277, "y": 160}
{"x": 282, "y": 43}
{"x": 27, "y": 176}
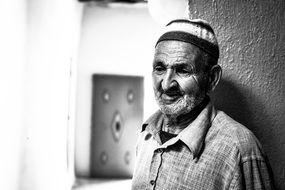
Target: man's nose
{"x": 169, "y": 80}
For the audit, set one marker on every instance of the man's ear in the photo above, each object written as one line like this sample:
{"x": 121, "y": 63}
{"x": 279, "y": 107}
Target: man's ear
{"x": 214, "y": 77}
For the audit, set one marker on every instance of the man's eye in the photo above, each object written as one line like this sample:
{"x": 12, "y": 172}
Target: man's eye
{"x": 159, "y": 69}
{"x": 183, "y": 71}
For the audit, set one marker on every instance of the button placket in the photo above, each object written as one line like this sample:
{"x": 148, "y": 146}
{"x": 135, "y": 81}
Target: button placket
{"x": 155, "y": 166}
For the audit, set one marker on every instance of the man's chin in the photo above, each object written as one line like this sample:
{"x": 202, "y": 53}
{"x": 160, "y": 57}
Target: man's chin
{"x": 173, "y": 109}
{"x": 177, "y": 107}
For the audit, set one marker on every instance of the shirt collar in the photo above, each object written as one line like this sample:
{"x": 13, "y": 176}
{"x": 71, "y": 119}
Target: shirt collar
{"x": 154, "y": 124}
{"x": 193, "y": 135}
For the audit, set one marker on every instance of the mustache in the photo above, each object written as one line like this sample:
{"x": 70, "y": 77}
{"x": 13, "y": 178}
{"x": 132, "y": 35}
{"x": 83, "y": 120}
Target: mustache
{"x": 171, "y": 91}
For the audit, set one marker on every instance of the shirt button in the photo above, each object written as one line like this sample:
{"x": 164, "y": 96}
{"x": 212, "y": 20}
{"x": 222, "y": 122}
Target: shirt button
{"x": 160, "y": 150}
{"x": 152, "y": 182}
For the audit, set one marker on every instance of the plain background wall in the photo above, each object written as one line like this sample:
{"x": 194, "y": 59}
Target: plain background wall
{"x": 12, "y": 59}
{"x": 115, "y": 39}
{"x": 53, "y": 30}
{"x": 251, "y": 35}
{"x": 38, "y": 45}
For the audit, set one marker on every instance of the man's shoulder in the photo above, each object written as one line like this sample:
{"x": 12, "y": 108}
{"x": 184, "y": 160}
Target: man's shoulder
{"x": 227, "y": 131}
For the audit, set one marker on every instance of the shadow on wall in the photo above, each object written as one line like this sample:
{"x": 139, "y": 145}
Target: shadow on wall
{"x": 231, "y": 99}
{"x": 246, "y": 108}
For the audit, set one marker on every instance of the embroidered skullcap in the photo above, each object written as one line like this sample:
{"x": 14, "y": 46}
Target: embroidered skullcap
{"x": 197, "y": 32}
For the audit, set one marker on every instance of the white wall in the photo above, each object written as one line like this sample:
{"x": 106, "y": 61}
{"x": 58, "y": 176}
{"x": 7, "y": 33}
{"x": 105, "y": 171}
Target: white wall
{"x": 52, "y": 37}
{"x": 12, "y": 59}
{"x": 115, "y": 39}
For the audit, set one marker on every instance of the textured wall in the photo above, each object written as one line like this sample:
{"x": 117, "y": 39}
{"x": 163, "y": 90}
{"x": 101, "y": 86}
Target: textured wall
{"x": 252, "y": 91}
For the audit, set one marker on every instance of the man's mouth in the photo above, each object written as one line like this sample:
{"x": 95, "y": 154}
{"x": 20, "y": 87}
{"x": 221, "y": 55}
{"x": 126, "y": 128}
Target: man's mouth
{"x": 170, "y": 96}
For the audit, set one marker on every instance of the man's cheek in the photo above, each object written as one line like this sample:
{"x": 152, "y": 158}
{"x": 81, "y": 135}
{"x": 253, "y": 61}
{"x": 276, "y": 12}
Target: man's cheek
{"x": 189, "y": 87}
{"x": 156, "y": 84}
{"x": 189, "y": 90}
{"x": 156, "y": 92}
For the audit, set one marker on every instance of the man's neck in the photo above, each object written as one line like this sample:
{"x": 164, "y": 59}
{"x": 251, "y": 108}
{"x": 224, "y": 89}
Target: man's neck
{"x": 177, "y": 124}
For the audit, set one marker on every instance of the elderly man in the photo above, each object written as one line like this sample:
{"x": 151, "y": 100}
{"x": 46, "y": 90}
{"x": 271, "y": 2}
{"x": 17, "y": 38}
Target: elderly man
{"x": 188, "y": 144}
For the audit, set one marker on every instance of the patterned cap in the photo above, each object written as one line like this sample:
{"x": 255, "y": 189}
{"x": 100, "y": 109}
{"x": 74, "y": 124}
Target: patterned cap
{"x": 197, "y": 32}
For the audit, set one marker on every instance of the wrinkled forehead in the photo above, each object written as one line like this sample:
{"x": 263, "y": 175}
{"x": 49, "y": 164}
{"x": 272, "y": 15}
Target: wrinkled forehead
{"x": 172, "y": 51}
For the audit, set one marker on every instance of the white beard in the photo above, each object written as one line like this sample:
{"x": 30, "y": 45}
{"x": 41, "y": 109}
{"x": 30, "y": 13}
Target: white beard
{"x": 183, "y": 105}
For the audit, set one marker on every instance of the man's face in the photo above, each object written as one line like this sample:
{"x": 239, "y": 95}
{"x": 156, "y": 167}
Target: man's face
{"x": 178, "y": 79}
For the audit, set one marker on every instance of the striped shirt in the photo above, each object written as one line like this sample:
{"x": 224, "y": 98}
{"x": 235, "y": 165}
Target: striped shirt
{"x": 213, "y": 152}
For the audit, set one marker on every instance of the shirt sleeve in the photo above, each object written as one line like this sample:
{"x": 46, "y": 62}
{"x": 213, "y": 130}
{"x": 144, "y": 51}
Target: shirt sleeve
{"x": 254, "y": 174}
